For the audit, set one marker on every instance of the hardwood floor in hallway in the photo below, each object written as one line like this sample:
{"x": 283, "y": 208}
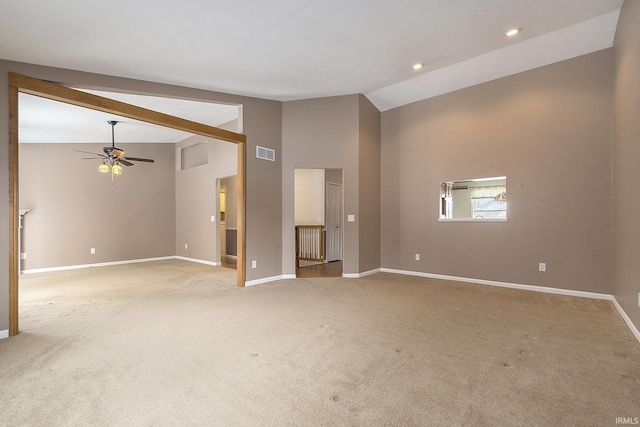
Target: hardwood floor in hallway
{"x": 229, "y": 262}
{"x": 329, "y": 269}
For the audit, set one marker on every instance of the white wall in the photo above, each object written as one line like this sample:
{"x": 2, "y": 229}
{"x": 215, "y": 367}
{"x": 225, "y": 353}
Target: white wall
{"x": 309, "y": 196}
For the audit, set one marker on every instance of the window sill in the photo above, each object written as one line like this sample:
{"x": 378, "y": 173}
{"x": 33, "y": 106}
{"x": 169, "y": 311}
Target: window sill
{"x": 472, "y": 219}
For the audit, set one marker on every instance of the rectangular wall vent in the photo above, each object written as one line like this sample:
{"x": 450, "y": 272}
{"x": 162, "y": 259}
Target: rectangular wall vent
{"x": 265, "y": 153}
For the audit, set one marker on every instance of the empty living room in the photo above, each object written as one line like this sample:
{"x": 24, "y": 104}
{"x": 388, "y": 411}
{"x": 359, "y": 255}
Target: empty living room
{"x": 467, "y": 171}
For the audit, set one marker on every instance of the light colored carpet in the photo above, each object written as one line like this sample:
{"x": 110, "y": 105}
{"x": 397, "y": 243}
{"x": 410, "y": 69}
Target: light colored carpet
{"x": 174, "y": 343}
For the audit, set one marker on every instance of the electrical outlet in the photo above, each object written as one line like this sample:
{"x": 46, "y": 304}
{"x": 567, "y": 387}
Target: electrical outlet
{"x": 93, "y": 251}
{"x": 23, "y": 255}
{"x": 638, "y": 299}
{"x": 417, "y": 257}
{"x": 213, "y": 218}
{"x": 542, "y": 266}
{"x": 254, "y": 264}
{"x": 186, "y": 246}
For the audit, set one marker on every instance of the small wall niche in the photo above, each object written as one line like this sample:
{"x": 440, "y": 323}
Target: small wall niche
{"x": 194, "y": 155}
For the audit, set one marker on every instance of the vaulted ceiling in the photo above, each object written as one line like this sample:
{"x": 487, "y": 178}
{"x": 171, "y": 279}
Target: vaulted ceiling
{"x": 287, "y": 49}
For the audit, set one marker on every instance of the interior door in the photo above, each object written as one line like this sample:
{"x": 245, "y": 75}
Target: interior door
{"x": 333, "y": 221}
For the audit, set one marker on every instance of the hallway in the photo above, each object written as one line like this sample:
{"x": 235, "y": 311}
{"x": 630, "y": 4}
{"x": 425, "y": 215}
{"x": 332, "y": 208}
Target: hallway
{"x": 329, "y": 269}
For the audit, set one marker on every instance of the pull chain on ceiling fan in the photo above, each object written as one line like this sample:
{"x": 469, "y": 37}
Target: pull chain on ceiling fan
{"x": 113, "y": 157}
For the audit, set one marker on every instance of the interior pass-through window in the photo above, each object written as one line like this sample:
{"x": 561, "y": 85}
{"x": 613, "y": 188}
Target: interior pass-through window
{"x": 476, "y": 199}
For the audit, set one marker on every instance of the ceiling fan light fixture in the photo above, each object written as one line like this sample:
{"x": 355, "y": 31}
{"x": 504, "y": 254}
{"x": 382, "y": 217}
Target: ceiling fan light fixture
{"x": 113, "y": 158}
{"x": 116, "y": 170}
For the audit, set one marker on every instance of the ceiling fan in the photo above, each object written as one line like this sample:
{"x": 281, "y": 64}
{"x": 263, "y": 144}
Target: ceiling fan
{"x": 113, "y": 157}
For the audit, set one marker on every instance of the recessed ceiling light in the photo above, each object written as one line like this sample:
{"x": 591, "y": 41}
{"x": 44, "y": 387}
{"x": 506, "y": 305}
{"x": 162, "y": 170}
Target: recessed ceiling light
{"x": 512, "y": 32}
{"x": 417, "y": 66}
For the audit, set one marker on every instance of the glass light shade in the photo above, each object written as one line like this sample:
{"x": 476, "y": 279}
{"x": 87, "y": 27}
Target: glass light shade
{"x": 116, "y": 169}
{"x": 104, "y": 168}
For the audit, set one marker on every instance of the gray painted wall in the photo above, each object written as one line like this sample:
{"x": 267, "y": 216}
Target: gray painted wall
{"x": 549, "y": 132}
{"x": 320, "y": 134}
{"x": 369, "y": 161}
{"x": 197, "y": 199}
{"x": 75, "y": 207}
{"x": 626, "y": 162}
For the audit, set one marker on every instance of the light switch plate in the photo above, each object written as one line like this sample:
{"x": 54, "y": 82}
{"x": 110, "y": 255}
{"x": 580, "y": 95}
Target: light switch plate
{"x": 351, "y": 218}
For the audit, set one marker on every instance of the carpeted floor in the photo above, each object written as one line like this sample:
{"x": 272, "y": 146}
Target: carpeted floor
{"x": 174, "y": 343}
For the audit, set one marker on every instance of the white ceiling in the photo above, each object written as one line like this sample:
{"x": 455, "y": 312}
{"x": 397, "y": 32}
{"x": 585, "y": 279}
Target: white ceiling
{"x": 46, "y": 121}
{"x": 288, "y": 49}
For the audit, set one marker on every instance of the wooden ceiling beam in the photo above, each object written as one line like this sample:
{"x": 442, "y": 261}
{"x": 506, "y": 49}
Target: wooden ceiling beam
{"x": 88, "y": 100}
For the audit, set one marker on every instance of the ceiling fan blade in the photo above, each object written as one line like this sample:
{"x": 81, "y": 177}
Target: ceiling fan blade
{"x": 89, "y": 152}
{"x": 124, "y": 162}
{"x": 113, "y": 150}
{"x": 138, "y": 159}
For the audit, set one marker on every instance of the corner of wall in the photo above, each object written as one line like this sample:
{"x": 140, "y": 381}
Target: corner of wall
{"x": 626, "y": 163}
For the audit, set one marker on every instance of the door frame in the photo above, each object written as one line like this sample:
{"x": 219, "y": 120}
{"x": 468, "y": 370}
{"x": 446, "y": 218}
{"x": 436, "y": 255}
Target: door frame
{"x": 20, "y": 83}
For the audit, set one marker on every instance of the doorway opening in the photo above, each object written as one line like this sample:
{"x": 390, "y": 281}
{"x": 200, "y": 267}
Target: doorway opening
{"x": 227, "y": 195}
{"x": 318, "y": 222}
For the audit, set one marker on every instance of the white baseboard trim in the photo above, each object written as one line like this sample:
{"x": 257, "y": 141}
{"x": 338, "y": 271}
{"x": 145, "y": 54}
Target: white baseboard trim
{"x": 4, "y": 334}
{"x": 544, "y": 289}
{"x": 231, "y": 256}
{"x": 363, "y": 274}
{"x": 199, "y": 261}
{"x": 100, "y": 264}
{"x": 289, "y": 276}
{"x": 626, "y": 319}
{"x": 265, "y": 280}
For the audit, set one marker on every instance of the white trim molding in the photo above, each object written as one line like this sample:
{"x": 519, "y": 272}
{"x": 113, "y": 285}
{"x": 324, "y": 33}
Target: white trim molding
{"x": 363, "y": 274}
{"x": 4, "y": 334}
{"x": 265, "y": 280}
{"x": 472, "y": 219}
{"x": 627, "y": 320}
{"x": 101, "y": 264}
{"x": 502, "y": 284}
{"x": 199, "y": 261}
